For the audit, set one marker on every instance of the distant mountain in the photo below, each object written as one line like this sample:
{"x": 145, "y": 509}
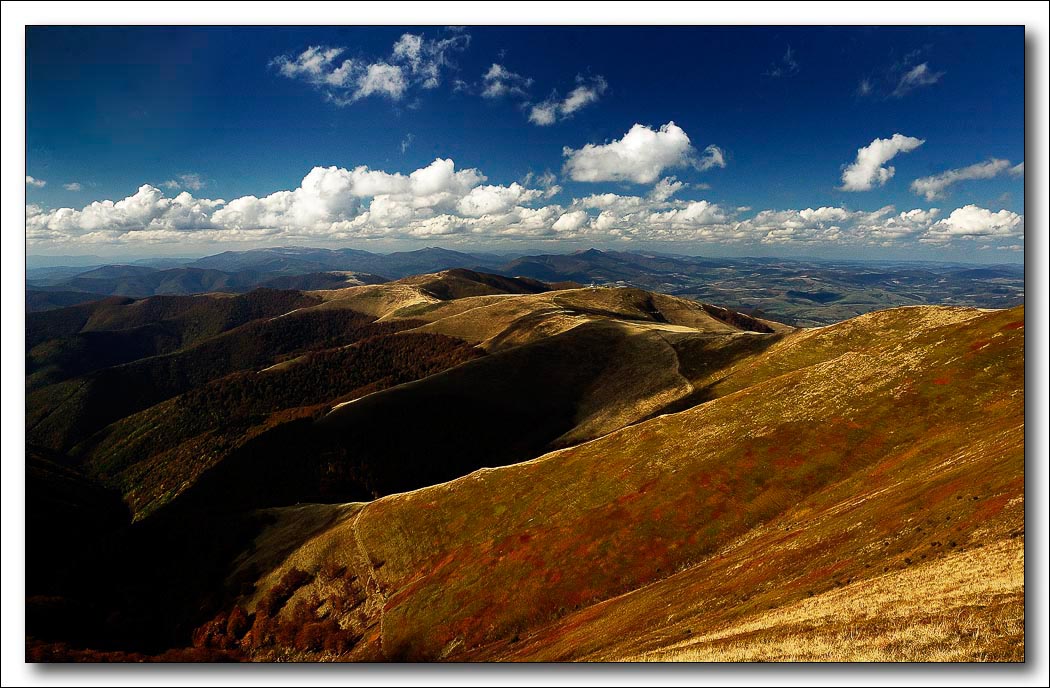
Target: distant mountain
{"x": 796, "y": 291}
{"x": 292, "y": 260}
{"x": 137, "y": 281}
{"x": 34, "y": 262}
{"x": 299, "y": 260}
{"x": 37, "y": 301}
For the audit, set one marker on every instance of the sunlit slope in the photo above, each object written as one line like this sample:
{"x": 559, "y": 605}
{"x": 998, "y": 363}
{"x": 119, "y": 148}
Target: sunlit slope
{"x": 626, "y": 356}
{"x": 509, "y": 406}
{"x": 827, "y": 459}
{"x": 499, "y": 312}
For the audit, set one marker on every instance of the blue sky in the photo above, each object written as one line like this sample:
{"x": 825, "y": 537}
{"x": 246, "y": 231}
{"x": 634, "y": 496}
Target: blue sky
{"x": 538, "y": 154}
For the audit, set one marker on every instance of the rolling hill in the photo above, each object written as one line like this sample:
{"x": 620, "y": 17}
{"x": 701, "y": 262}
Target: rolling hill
{"x": 466, "y": 466}
{"x": 873, "y": 454}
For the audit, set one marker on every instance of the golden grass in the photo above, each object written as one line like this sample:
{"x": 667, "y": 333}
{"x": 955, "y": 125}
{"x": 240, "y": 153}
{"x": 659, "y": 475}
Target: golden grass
{"x": 966, "y": 607}
{"x": 696, "y": 536}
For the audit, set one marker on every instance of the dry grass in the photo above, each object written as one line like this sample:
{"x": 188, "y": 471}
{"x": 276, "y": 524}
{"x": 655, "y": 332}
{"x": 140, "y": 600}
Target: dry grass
{"x": 835, "y": 500}
{"x": 966, "y": 607}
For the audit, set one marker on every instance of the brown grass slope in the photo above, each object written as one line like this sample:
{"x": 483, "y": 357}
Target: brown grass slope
{"x": 824, "y": 465}
{"x": 510, "y": 406}
{"x": 623, "y": 360}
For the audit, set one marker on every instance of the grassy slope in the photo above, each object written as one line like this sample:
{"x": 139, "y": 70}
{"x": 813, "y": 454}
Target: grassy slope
{"x": 832, "y": 458}
{"x": 618, "y": 365}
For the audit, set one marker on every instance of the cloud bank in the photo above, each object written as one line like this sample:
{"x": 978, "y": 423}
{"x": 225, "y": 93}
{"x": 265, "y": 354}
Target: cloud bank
{"x": 335, "y": 204}
{"x": 340, "y": 204}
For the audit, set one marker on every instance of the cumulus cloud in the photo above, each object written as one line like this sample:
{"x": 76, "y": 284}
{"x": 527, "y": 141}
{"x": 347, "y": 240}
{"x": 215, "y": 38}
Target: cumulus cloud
{"x": 916, "y": 77}
{"x": 869, "y": 169}
{"x": 973, "y": 222}
{"x": 148, "y": 209}
{"x": 1018, "y": 169}
{"x": 414, "y": 61}
{"x": 588, "y": 90}
{"x": 72, "y": 186}
{"x": 571, "y": 221}
{"x": 640, "y": 156}
{"x": 34, "y": 182}
{"x": 493, "y": 199}
{"x": 933, "y": 187}
{"x": 500, "y": 82}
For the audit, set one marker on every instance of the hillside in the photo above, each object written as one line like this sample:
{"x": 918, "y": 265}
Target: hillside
{"x": 886, "y": 449}
{"x": 464, "y": 466}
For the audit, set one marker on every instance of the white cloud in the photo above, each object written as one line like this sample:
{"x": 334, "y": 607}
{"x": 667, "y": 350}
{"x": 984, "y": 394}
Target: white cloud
{"x": 588, "y": 90}
{"x": 315, "y": 65}
{"x": 33, "y": 181}
{"x": 694, "y": 213}
{"x": 492, "y": 200}
{"x": 414, "y": 61}
{"x": 713, "y": 157}
{"x": 917, "y": 76}
{"x": 571, "y": 221}
{"x": 1018, "y": 169}
{"x": 406, "y": 142}
{"x": 543, "y": 114}
{"x": 72, "y": 186}
{"x": 869, "y": 168}
{"x": 640, "y": 156}
{"x": 665, "y": 188}
{"x": 973, "y": 222}
{"x": 934, "y": 186}
{"x": 499, "y": 82}
{"x": 147, "y": 209}
{"x": 383, "y": 79}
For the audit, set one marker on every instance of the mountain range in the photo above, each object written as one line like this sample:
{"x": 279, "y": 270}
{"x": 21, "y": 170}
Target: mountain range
{"x": 796, "y": 291}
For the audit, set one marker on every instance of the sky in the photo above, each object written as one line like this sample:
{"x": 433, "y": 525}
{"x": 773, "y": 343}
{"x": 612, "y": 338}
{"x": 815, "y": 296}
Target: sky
{"x": 849, "y": 142}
